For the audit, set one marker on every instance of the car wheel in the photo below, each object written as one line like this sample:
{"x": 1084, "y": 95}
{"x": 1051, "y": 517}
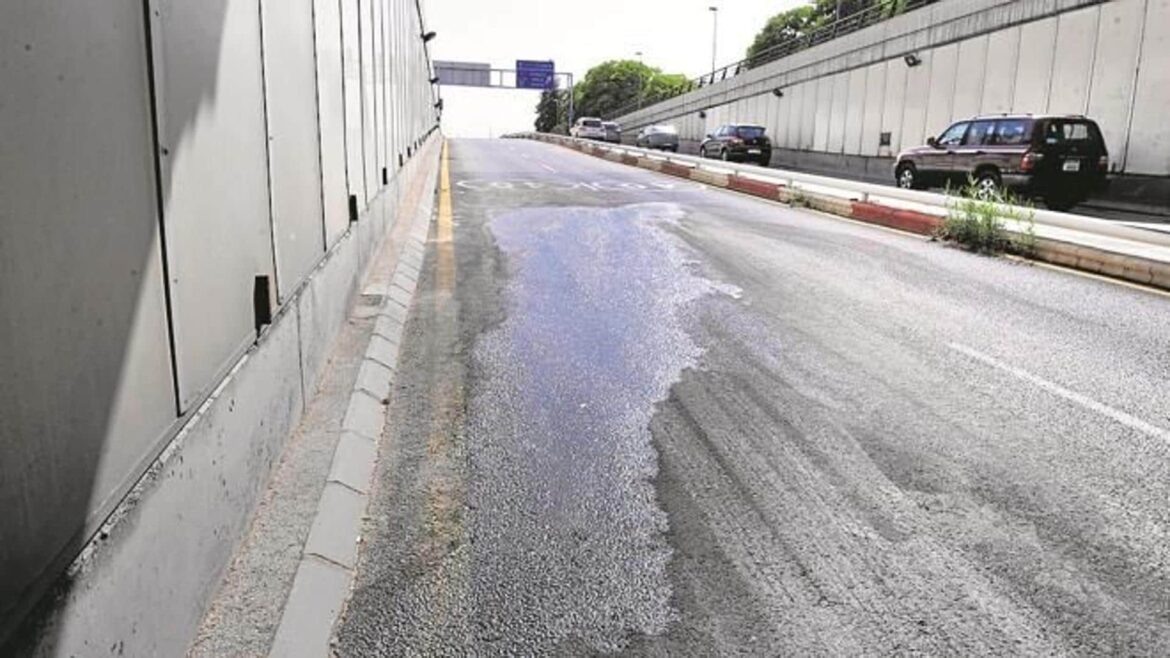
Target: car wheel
{"x": 907, "y": 177}
{"x": 988, "y": 184}
{"x": 724, "y": 155}
{"x": 702, "y": 151}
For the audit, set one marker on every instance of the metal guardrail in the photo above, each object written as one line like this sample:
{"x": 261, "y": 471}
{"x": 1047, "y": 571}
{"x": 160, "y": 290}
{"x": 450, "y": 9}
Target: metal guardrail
{"x": 929, "y": 202}
{"x": 859, "y": 20}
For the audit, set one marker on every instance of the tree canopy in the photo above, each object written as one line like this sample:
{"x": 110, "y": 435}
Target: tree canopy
{"x": 605, "y": 89}
{"x": 800, "y": 21}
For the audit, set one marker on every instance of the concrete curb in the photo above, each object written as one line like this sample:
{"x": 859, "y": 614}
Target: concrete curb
{"x": 325, "y": 575}
{"x": 1080, "y": 257}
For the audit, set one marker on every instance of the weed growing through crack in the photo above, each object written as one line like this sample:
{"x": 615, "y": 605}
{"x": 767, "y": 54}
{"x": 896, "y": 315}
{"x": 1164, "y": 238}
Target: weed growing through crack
{"x": 977, "y": 220}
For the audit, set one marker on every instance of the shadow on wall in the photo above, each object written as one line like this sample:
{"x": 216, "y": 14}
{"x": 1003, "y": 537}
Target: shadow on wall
{"x": 87, "y": 391}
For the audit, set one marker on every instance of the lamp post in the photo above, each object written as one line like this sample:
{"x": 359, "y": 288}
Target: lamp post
{"x": 714, "y": 32}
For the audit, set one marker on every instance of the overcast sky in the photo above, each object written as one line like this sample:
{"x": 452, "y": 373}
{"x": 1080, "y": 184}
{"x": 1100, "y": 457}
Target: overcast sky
{"x": 673, "y": 35}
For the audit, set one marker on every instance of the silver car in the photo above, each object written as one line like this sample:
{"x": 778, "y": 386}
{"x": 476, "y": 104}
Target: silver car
{"x": 659, "y": 137}
{"x": 613, "y": 132}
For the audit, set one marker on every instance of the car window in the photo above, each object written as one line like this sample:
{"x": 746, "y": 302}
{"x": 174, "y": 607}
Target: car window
{"x": 1069, "y": 131}
{"x": 980, "y": 133}
{"x": 750, "y": 132}
{"x": 591, "y": 123}
{"x": 721, "y": 131}
{"x": 1011, "y": 132}
{"x": 953, "y": 135}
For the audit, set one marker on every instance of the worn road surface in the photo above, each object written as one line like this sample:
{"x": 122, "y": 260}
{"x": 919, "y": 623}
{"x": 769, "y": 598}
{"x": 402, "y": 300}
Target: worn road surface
{"x": 642, "y": 417}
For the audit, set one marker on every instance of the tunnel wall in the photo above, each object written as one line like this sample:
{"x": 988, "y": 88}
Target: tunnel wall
{"x": 1108, "y": 60}
{"x": 173, "y": 175}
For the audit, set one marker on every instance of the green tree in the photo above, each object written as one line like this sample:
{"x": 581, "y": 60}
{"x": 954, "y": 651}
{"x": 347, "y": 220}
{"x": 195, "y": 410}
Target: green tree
{"x": 800, "y": 21}
{"x": 552, "y": 111}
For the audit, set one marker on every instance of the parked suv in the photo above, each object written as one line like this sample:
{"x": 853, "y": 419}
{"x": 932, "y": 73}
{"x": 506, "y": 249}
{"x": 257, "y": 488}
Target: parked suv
{"x": 1061, "y": 159}
{"x": 738, "y": 141}
{"x": 588, "y": 128}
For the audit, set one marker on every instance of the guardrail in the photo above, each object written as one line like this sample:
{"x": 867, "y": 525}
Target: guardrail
{"x": 926, "y": 202}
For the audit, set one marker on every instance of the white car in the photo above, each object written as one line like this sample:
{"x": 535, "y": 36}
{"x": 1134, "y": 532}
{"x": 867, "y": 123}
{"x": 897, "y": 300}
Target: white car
{"x": 588, "y": 128}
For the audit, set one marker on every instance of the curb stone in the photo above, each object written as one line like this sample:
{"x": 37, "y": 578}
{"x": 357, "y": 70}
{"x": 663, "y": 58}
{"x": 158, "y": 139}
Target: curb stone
{"x": 329, "y": 557}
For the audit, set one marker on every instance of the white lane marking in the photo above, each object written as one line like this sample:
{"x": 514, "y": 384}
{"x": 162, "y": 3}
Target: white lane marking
{"x": 548, "y": 168}
{"x": 1129, "y": 421}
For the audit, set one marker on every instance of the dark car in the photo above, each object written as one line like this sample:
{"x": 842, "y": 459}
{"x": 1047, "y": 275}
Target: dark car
{"x": 659, "y": 137}
{"x": 738, "y": 141}
{"x": 1061, "y": 159}
{"x": 613, "y": 131}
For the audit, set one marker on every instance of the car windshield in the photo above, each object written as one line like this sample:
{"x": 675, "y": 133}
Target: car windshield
{"x": 591, "y": 123}
{"x": 665, "y": 130}
{"x": 609, "y": 125}
{"x": 749, "y": 132}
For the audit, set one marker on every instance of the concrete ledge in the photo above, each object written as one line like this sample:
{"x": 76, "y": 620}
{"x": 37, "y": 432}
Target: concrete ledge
{"x": 1098, "y": 261}
{"x": 337, "y": 526}
{"x": 709, "y": 177}
{"x": 317, "y": 596}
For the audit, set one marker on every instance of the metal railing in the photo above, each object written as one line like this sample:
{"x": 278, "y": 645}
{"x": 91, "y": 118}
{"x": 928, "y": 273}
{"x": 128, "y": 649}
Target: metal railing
{"x": 859, "y": 20}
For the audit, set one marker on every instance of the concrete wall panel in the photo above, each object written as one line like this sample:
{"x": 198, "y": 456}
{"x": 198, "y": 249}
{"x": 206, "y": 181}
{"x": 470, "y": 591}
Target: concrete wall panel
{"x": 1149, "y": 142}
{"x": 294, "y": 153}
{"x": 970, "y": 78}
{"x": 1034, "y": 67}
{"x": 999, "y": 84}
{"x": 372, "y": 171}
{"x": 1072, "y": 66}
{"x": 914, "y": 104}
{"x": 808, "y": 114}
{"x": 823, "y": 113}
{"x": 855, "y": 110}
{"x": 351, "y": 50}
{"x": 1114, "y": 72}
{"x": 331, "y": 111}
{"x": 210, "y": 81}
{"x": 85, "y": 389}
{"x": 838, "y": 112}
{"x": 874, "y": 103}
{"x": 893, "y": 104}
{"x": 941, "y": 95}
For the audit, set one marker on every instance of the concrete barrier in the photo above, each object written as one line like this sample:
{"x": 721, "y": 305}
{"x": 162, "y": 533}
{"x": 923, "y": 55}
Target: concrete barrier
{"x": 861, "y": 202}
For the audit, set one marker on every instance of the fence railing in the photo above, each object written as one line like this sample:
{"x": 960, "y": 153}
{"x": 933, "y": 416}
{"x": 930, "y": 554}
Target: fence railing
{"x": 859, "y": 20}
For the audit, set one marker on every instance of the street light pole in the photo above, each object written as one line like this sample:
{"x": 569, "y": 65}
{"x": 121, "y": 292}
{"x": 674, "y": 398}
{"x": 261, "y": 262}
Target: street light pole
{"x": 714, "y": 33}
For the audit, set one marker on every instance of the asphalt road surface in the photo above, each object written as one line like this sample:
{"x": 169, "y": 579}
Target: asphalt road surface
{"x": 639, "y": 416}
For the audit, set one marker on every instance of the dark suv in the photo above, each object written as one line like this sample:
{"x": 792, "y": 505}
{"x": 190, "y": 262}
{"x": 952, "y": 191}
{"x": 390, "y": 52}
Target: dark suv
{"x": 1061, "y": 159}
{"x": 738, "y": 141}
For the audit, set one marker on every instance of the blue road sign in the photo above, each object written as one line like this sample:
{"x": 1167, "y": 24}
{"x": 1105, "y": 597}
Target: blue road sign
{"x": 535, "y": 75}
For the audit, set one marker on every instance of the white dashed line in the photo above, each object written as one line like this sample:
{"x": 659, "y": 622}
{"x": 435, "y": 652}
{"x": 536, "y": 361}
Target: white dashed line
{"x": 548, "y": 168}
{"x": 1129, "y": 421}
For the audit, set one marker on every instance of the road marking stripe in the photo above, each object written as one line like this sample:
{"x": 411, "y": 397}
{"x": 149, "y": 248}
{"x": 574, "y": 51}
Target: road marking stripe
{"x": 1117, "y": 415}
{"x": 548, "y": 168}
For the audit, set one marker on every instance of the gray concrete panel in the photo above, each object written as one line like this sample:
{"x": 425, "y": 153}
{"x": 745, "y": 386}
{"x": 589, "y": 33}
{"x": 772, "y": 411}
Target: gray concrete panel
{"x": 1072, "y": 66}
{"x": 373, "y": 173}
{"x": 914, "y": 128}
{"x": 837, "y": 112}
{"x": 294, "y": 153}
{"x": 893, "y": 105}
{"x": 855, "y": 110}
{"x": 874, "y": 103}
{"x": 824, "y": 114}
{"x": 331, "y": 112}
{"x": 970, "y": 77}
{"x": 941, "y": 95}
{"x": 352, "y": 66}
{"x": 999, "y": 84}
{"x": 1149, "y": 140}
{"x": 86, "y": 391}
{"x": 211, "y": 104}
{"x": 1115, "y": 68}
{"x": 1034, "y": 66}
